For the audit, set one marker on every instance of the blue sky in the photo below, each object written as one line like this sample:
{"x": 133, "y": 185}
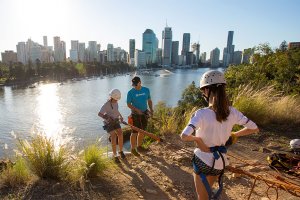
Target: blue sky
{"x": 117, "y": 21}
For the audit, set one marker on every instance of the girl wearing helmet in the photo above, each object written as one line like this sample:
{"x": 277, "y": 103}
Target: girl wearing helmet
{"x": 112, "y": 117}
{"x": 212, "y": 127}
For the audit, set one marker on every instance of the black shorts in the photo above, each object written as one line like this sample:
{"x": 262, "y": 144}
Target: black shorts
{"x": 111, "y": 127}
{"x": 204, "y": 168}
{"x": 139, "y": 121}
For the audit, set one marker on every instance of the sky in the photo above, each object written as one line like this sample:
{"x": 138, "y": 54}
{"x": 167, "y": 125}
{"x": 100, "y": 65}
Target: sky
{"x": 116, "y": 21}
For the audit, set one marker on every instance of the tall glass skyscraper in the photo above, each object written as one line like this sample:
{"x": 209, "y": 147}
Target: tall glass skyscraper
{"x": 131, "y": 48}
{"x": 186, "y": 43}
{"x": 229, "y": 50}
{"x": 149, "y": 46}
{"x": 166, "y": 46}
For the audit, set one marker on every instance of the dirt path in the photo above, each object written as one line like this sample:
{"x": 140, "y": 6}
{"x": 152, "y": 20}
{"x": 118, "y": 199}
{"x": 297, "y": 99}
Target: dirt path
{"x": 163, "y": 172}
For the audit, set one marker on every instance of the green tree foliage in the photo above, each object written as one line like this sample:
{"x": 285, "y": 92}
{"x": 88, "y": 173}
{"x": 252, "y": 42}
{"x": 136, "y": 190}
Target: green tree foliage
{"x": 280, "y": 68}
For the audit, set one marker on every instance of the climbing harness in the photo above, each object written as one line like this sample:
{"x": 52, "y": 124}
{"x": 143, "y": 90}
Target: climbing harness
{"x": 217, "y": 153}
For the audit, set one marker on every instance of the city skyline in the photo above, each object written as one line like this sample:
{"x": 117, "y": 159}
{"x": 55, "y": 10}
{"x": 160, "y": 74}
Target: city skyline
{"x": 88, "y": 21}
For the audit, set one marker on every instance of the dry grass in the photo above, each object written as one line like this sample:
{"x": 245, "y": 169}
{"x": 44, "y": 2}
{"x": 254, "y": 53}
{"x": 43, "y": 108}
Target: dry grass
{"x": 266, "y": 106}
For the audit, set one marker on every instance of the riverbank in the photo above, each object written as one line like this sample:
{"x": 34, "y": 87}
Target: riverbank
{"x": 164, "y": 172}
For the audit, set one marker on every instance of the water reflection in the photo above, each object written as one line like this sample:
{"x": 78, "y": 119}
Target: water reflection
{"x": 50, "y": 114}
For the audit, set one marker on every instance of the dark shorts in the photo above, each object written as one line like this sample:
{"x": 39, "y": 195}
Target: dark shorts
{"x": 139, "y": 121}
{"x": 111, "y": 127}
{"x": 204, "y": 168}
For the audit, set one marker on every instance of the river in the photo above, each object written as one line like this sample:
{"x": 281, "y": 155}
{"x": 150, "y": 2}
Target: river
{"x": 68, "y": 112}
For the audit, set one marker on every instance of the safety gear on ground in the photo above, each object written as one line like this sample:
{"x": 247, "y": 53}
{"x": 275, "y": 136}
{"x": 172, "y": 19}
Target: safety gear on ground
{"x": 232, "y": 140}
{"x": 295, "y": 144}
{"x": 212, "y": 77}
{"x": 115, "y": 94}
{"x": 284, "y": 162}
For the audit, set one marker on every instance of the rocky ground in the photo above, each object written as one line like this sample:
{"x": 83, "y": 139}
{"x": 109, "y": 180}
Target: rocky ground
{"x": 164, "y": 172}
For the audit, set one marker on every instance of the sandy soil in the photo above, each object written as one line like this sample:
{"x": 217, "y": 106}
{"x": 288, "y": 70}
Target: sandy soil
{"x": 165, "y": 172}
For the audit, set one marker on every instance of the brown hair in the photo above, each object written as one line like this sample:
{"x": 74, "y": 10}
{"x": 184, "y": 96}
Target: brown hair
{"x": 220, "y": 102}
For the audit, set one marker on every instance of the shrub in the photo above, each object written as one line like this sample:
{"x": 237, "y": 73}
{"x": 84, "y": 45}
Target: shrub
{"x": 16, "y": 174}
{"x": 43, "y": 159}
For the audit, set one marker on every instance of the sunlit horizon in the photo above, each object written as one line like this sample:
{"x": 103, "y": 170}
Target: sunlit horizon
{"x": 116, "y": 22}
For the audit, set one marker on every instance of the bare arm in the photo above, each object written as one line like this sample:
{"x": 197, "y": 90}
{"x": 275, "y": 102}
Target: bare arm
{"x": 199, "y": 142}
{"x": 150, "y": 105}
{"x": 134, "y": 109}
{"x": 245, "y": 131}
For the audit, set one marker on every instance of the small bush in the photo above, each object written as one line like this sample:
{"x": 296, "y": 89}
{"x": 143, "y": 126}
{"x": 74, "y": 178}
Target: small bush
{"x": 95, "y": 160}
{"x": 43, "y": 159}
{"x": 15, "y": 175}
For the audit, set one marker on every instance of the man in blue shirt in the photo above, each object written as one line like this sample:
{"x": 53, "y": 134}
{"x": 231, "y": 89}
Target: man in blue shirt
{"x": 138, "y": 100}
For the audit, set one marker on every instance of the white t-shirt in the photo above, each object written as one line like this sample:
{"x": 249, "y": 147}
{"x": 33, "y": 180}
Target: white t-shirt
{"x": 215, "y": 133}
{"x": 111, "y": 109}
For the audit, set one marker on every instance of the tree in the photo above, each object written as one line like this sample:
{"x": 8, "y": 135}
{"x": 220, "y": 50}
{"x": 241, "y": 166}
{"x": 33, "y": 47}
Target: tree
{"x": 283, "y": 46}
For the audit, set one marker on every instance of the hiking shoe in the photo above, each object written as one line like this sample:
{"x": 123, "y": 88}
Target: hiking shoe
{"x": 122, "y": 154}
{"x": 141, "y": 149}
{"x": 134, "y": 152}
{"x": 116, "y": 160}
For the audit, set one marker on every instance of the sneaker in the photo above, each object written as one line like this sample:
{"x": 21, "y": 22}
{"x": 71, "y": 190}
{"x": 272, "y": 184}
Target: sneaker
{"x": 122, "y": 154}
{"x": 134, "y": 152}
{"x": 141, "y": 149}
{"x": 116, "y": 160}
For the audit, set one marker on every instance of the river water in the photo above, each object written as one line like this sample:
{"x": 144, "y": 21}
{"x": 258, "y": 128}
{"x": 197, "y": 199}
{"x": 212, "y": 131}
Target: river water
{"x": 68, "y": 112}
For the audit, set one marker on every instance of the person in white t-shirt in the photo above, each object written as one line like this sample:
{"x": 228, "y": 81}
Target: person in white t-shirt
{"x": 112, "y": 118}
{"x": 212, "y": 127}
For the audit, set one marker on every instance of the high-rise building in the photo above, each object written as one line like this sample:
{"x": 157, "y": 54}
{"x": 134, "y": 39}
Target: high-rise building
{"x": 186, "y": 43}
{"x": 196, "y": 51}
{"x": 63, "y": 50}
{"x": 131, "y": 48}
{"x": 203, "y": 57}
{"x": 81, "y": 52}
{"x": 74, "y": 53}
{"x": 237, "y": 57}
{"x": 215, "y": 57}
{"x": 21, "y": 53}
{"x": 9, "y": 57}
{"x": 292, "y": 45}
{"x": 166, "y": 46}
{"x": 45, "y": 40}
{"x": 74, "y": 45}
{"x": 229, "y": 50}
{"x": 247, "y": 53}
{"x": 59, "y": 50}
{"x": 159, "y": 56}
{"x": 110, "y": 53}
{"x": 92, "y": 51}
{"x": 175, "y": 49}
{"x": 149, "y": 46}
{"x": 139, "y": 58}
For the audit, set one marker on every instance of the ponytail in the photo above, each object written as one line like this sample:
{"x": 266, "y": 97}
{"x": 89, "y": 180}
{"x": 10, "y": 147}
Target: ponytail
{"x": 220, "y": 103}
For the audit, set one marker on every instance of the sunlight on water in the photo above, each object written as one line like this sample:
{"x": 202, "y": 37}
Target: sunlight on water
{"x": 50, "y": 115}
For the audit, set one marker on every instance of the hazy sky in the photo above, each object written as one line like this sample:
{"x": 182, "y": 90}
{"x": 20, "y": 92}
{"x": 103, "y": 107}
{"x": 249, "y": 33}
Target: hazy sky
{"x": 117, "y": 21}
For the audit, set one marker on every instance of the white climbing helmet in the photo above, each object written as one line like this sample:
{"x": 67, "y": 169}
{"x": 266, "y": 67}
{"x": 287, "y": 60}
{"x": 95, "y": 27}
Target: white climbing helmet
{"x": 115, "y": 94}
{"x": 212, "y": 77}
{"x": 295, "y": 144}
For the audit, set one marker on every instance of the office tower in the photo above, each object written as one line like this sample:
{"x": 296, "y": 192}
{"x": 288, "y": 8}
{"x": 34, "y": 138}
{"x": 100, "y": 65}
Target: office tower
{"x": 229, "y": 50}
{"x": 92, "y": 51}
{"x": 139, "y": 58}
{"x": 149, "y": 46}
{"x": 175, "y": 49}
{"x": 98, "y": 47}
{"x": 74, "y": 45}
{"x": 63, "y": 51}
{"x": 247, "y": 53}
{"x": 186, "y": 43}
{"x": 196, "y": 51}
{"x": 81, "y": 52}
{"x": 237, "y": 57}
{"x": 131, "y": 48}
{"x": 58, "y": 52}
{"x": 203, "y": 57}
{"x": 110, "y": 53}
{"x": 45, "y": 40}
{"x": 159, "y": 56}
{"x": 215, "y": 57}
{"x": 9, "y": 57}
{"x": 74, "y": 53}
{"x": 21, "y": 52}
{"x": 166, "y": 46}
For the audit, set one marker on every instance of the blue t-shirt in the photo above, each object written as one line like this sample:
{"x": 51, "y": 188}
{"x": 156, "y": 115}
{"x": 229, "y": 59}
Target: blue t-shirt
{"x": 139, "y": 98}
